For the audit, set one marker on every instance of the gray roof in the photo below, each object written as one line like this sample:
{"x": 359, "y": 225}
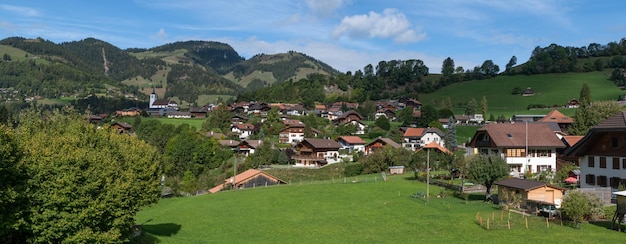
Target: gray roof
{"x": 523, "y": 184}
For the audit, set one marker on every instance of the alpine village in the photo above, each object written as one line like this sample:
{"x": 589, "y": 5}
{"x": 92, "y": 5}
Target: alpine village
{"x": 190, "y": 141}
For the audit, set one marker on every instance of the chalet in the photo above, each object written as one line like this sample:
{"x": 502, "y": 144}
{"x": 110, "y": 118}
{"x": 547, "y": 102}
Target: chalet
{"x": 351, "y": 143}
{"x": 240, "y": 107}
{"x": 259, "y": 108}
{"x": 320, "y": 110}
{"x": 533, "y": 193}
{"x": 243, "y": 130}
{"x": 247, "y": 147}
{"x": 526, "y": 147}
{"x": 313, "y": 152}
{"x": 602, "y": 154}
{"x": 122, "y": 127}
{"x": 333, "y": 113}
{"x": 410, "y": 102}
{"x": 389, "y": 113}
{"x": 94, "y": 119}
{"x": 293, "y": 109}
{"x": 238, "y": 119}
{"x": 293, "y": 133}
{"x": 528, "y": 92}
{"x": 462, "y": 119}
{"x": 199, "y": 112}
{"x": 415, "y": 138}
{"x": 379, "y": 143}
{"x": 251, "y": 178}
{"x": 574, "y": 103}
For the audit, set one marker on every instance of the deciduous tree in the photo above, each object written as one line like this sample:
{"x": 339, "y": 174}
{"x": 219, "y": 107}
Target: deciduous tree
{"x": 486, "y": 170}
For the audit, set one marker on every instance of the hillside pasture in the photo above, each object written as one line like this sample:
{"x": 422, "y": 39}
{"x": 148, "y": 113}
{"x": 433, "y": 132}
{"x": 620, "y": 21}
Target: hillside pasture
{"x": 20, "y": 55}
{"x": 550, "y": 89}
{"x": 362, "y": 210}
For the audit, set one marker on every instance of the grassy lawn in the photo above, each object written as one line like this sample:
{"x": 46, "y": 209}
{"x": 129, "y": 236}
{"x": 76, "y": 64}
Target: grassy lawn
{"x": 367, "y": 211}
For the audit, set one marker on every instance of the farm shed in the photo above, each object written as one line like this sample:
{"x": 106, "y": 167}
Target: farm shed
{"x": 396, "y": 170}
{"x": 249, "y": 179}
{"x": 532, "y": 192}
{"x": 620, "y": 197}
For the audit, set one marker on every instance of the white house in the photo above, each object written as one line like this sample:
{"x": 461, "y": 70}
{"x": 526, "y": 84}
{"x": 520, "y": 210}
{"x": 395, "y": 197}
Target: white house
{"x": 602, "y": 154}
{"x": 243, "y": 130}
{"x": 526, "y": 147}
{"x": 351, "y": 143}
{"x": 415, "y": 138}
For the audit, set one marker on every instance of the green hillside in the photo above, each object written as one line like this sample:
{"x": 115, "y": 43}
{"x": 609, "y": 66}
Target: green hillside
{"x": 364, "y": 210}
{"x": 550, "y": 89}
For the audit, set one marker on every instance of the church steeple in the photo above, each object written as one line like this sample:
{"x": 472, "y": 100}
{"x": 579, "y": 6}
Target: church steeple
{"x": 153, "y": 97}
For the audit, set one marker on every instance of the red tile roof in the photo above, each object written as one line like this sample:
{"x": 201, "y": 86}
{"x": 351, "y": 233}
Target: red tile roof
{"x": 434, "y": 145}
{"x": 352, "y": 139}
{"x": 414, "y": 132}
{"x": 244, "y": 176}
{"x": 571, "y": 140}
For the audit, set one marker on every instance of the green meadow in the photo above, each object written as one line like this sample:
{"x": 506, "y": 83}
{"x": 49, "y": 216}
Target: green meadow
{"x": 361, "y": 210}
{"x": 550, "y": 89}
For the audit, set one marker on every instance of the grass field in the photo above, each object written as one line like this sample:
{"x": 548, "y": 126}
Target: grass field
{"x": 550, "y": 89}
{"x": 367, "y": 211}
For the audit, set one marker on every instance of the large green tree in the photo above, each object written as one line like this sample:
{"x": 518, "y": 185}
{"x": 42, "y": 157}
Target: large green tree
{"x": 85, "y": 184}
{"x": 218, "y": 120}
{"x": 486, "y": 170}
{"x": 12, "y": 186}
{"x": 587, "y": 116}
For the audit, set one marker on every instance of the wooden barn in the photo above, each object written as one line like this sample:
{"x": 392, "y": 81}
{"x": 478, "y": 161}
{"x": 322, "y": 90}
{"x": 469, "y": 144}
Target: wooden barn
{"x": 251, "y": 178}
{"x": 533, "y": 193}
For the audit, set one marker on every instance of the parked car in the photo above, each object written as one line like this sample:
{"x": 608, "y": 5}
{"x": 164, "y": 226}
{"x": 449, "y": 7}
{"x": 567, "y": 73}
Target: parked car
{"x": 548, "y": 211}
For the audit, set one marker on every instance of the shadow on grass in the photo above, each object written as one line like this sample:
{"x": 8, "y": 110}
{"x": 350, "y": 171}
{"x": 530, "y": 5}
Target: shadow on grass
{"x": 608, "y": 225}
{"x": 151, "y": 233}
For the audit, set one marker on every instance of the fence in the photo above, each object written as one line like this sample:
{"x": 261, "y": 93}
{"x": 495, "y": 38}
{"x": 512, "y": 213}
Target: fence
{"x": 510, "y": 219}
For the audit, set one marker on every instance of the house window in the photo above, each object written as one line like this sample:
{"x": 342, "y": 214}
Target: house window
{"x": 590, "y": 180}
{"x": 601, "y": 179}
{"x": 614, "y": 142}
{"x": 591, "y": 162}
{"x": 615, "y": 181}
{"x": 516, "y": 152}
{"x": 623, "y": 163}
{"x": 603, "y": 162}
{"x": 615, "y": 163}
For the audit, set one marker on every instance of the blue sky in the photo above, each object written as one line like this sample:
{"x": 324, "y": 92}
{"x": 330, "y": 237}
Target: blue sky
{"x": 347, "y": 34}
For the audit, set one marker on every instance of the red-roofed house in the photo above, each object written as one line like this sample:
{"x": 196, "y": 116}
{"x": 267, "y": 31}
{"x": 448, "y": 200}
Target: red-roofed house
{"x": 435, "y": 146}
{"x": 251, "y": 178}
{"x": 415, "y": 138}
{"x": 352, "y": 143}
{"x": 526, "y": 147}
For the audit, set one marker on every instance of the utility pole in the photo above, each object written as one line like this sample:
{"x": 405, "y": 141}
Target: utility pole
{"x": 427, "y": 173}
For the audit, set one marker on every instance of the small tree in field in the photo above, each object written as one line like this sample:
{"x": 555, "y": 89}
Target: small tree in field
{"x": 486, "y": 169}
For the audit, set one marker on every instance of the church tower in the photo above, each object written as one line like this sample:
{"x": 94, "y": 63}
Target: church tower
{"x": 153, "y": 97}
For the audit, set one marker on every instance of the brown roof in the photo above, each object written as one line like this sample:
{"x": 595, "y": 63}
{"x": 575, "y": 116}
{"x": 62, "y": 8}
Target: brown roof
{"x": 615, "y": 123}
{"x": 244, "y": 126}
{"x": 523, "y": 184}
{"x": 322, "y": 143}
{"x": 385, "y": 141}
{"x": 556, "y": 116}
{"x": 520, "y": 135}
{"x": 352, "y": 139}
{"x": 228, "y": 143}
{"x": 251, "y": 143}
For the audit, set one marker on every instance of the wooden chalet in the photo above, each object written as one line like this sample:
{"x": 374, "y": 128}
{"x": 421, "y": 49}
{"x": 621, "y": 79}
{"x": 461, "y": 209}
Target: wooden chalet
{"x": 559, "y": 118}
{"x": 380, "y": 143}
{"x": 314, "y": 152}
{"x": 122, "y": 127}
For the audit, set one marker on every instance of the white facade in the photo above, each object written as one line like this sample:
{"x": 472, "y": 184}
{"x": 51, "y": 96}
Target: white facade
{"x": 538, "y": 160}
{"x": 602, "y": 171}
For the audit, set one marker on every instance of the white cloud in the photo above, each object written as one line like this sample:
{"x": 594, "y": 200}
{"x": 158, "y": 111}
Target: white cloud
{"x": 324, "y": 7}
{"x": 162, "y": 35}
{"x": 27, "y": 12}
{"x": 390, "y": 24}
